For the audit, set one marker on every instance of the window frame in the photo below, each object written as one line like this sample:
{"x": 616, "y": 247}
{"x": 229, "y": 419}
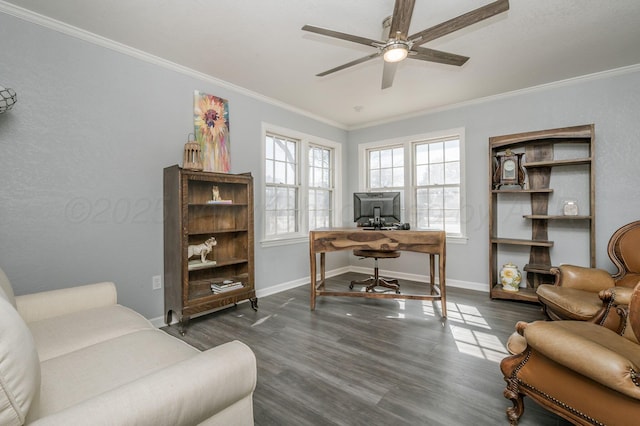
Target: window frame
{"x": 305, "y": 142}
{"x": 409, "y": 211}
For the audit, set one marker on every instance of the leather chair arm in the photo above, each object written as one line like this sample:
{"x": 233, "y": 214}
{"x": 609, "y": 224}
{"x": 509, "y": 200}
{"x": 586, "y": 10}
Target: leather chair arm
{"x": 616, "y": 295}
{"x": 590, "y": 350}
{"x": 579, "y": 277}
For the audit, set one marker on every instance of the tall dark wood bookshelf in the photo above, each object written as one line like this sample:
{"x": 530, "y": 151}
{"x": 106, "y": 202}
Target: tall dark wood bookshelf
{"x": 192, "y": 216}
{"x": 540, "y": 160}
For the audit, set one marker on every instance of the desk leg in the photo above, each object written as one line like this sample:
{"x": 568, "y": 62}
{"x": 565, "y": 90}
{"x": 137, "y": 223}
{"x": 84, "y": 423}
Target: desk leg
{"x": 312, "y": 262}
{"x": 432, "y": 273}
{"x": 443, "y": 286}
{"x": 322, "y": 269}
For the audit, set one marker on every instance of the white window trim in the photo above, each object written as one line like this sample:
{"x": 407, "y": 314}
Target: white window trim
{"x": 302, "y": 236}
{"x": 407, "y": 142}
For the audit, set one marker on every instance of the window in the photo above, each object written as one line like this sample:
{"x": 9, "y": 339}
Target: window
{"x": 437, "y": 184}
{"x": 386, "y": 171}
{"x": 282, "y": 185}
{"x": 299, "y": 191}
{"x": 320, "y": 187}
{"x": 427, "y": 170}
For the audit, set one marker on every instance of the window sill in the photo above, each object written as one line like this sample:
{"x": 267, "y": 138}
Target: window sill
{"x": 284, "y": 241}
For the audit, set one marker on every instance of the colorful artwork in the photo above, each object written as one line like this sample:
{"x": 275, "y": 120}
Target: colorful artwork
{"x": 211, "y": 117}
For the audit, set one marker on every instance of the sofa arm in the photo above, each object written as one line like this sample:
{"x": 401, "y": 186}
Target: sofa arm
{"x": 48, "y": 304}
{"x": 588, "y": 349}
{"x": 187, "y": 393}
{"x": 617, "y": 295}
{"x": 579, "y": 277}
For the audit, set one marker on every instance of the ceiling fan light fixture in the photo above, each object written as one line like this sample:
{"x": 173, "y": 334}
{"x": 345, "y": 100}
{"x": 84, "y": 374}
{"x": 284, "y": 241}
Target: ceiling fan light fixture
{"x": 395, "y": 52}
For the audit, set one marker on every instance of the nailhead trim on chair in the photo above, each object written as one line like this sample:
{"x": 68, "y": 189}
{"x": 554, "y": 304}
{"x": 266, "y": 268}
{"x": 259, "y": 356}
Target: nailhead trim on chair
{"x": 552, "y": 399}
{"x": 634, "y": 377}
{"x": 609, "y": 305}
{"x": 561, "y": 404}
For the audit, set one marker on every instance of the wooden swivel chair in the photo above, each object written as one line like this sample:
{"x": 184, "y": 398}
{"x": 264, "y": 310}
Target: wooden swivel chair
{"x": 587, "y": 294}
{"x": 372, "y": 282}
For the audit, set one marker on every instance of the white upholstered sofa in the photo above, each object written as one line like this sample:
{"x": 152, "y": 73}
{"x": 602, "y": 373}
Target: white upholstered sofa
{"x": 76, "y": 357}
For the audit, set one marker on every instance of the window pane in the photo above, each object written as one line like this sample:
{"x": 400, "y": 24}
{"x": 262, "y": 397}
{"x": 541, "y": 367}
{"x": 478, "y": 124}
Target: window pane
{"x": 422, "y": 198}
{"x": 452, "y": 173}
{"x": 452, "y": 150}
{"x": 268, "y": 171}
{"x": 270, "y": 222}
{"x": 398, "y": 177}
{"x": 270, "y": 198}
{"x": 280, "y": 173}
{"x": 422, "y": 154}
{"x": 279, "y": 149}
{"x": 436, "y": 199}
{"x": 291, "y": 198}
{"x": 452, "y": 198}
{"x": 436, "y": 219}
{"x": 374, "y": 179}
{"x": 291, "y": 151}
{"x": 398, "y": 157}
{"x": 374, "y": 159}
{"x": 291, "y": 174}
{"x": 422, "y": 175}
{"x": 436, "y": 174}
{"x": 436, "y": 152}
{"x": 386, "y": 178}
{"x": 386, "y": 159}
{"x": 268, "y": 147}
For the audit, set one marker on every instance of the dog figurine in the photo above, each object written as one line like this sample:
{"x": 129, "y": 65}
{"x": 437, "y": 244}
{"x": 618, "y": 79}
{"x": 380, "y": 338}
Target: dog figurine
{"x": 202, "y": 249}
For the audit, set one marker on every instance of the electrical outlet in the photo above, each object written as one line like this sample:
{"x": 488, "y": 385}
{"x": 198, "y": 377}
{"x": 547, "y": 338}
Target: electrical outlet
{"x": 156, "y": 282}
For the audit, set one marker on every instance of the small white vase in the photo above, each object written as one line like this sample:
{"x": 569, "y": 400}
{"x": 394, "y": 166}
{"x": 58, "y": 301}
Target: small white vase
{"x": 510, "y": 277}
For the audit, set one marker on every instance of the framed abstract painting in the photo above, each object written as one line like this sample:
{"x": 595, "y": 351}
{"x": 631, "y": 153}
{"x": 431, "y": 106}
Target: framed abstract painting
{"x": 211, "y": 120}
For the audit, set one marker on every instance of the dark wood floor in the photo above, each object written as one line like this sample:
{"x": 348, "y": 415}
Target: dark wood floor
{"x": 356, "y": 361}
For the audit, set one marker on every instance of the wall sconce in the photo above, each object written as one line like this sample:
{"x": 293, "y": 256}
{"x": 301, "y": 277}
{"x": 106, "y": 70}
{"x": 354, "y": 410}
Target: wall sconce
{"x": 8, "y": 99}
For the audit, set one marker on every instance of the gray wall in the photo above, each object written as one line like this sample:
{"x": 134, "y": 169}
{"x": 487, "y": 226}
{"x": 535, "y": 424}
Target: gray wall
{"x": 612, "y": 102}
{"x": 81, "y": 159}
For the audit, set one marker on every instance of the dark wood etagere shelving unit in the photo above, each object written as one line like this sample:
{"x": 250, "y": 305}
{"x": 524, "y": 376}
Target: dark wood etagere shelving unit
{"x": 539, "y": 160}
{"x": 190, "y": 218}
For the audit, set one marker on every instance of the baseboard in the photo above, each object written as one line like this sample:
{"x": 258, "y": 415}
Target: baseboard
{"x": 482, "y": 287}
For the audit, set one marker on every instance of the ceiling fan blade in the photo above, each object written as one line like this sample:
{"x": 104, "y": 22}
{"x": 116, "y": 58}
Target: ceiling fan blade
{"x": 431, "y": 55}
{"x": 401, "y": 19}
{"x": 343, "y": 36}
{"x": 349, "y": 64}
{"x": 460, "y": 22}
{"x": 388, "y": 73}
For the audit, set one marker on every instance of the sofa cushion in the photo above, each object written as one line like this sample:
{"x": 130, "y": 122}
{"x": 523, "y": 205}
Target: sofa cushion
{"x": 6, "y": 291}
{"x": 85, "y": 373}
{"x": 60, "y": 335}
{"x": 19, "y": 367}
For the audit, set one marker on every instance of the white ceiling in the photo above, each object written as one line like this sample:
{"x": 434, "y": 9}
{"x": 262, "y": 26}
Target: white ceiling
{"x": 258, "y": 45}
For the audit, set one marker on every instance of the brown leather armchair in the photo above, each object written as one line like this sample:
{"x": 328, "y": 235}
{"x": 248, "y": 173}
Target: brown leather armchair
{"x": 584, "y": 372}
{"x": 587, "y": 294}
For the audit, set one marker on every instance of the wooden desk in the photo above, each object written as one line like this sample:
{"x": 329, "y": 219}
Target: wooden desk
{"x": 432, "y": 243}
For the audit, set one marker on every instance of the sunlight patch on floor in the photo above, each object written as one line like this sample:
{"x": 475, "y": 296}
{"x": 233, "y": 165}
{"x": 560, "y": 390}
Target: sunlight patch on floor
{"x": 478, "y": 343}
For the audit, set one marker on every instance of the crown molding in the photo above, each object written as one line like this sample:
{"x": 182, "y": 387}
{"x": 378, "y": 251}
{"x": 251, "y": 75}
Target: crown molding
{"x": 533, "y": 89}
{"x": 70, "y": 30}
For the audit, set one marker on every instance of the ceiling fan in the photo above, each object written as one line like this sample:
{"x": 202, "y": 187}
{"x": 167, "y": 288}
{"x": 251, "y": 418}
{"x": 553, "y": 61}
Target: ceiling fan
{"x": 400, "y": 46}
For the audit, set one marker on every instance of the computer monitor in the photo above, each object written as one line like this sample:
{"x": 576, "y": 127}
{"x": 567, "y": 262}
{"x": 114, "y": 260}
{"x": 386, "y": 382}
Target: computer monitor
{"x": 376, "y": 209}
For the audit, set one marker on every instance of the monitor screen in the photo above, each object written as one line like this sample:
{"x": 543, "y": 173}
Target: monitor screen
{"x": 376, "y": 208}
